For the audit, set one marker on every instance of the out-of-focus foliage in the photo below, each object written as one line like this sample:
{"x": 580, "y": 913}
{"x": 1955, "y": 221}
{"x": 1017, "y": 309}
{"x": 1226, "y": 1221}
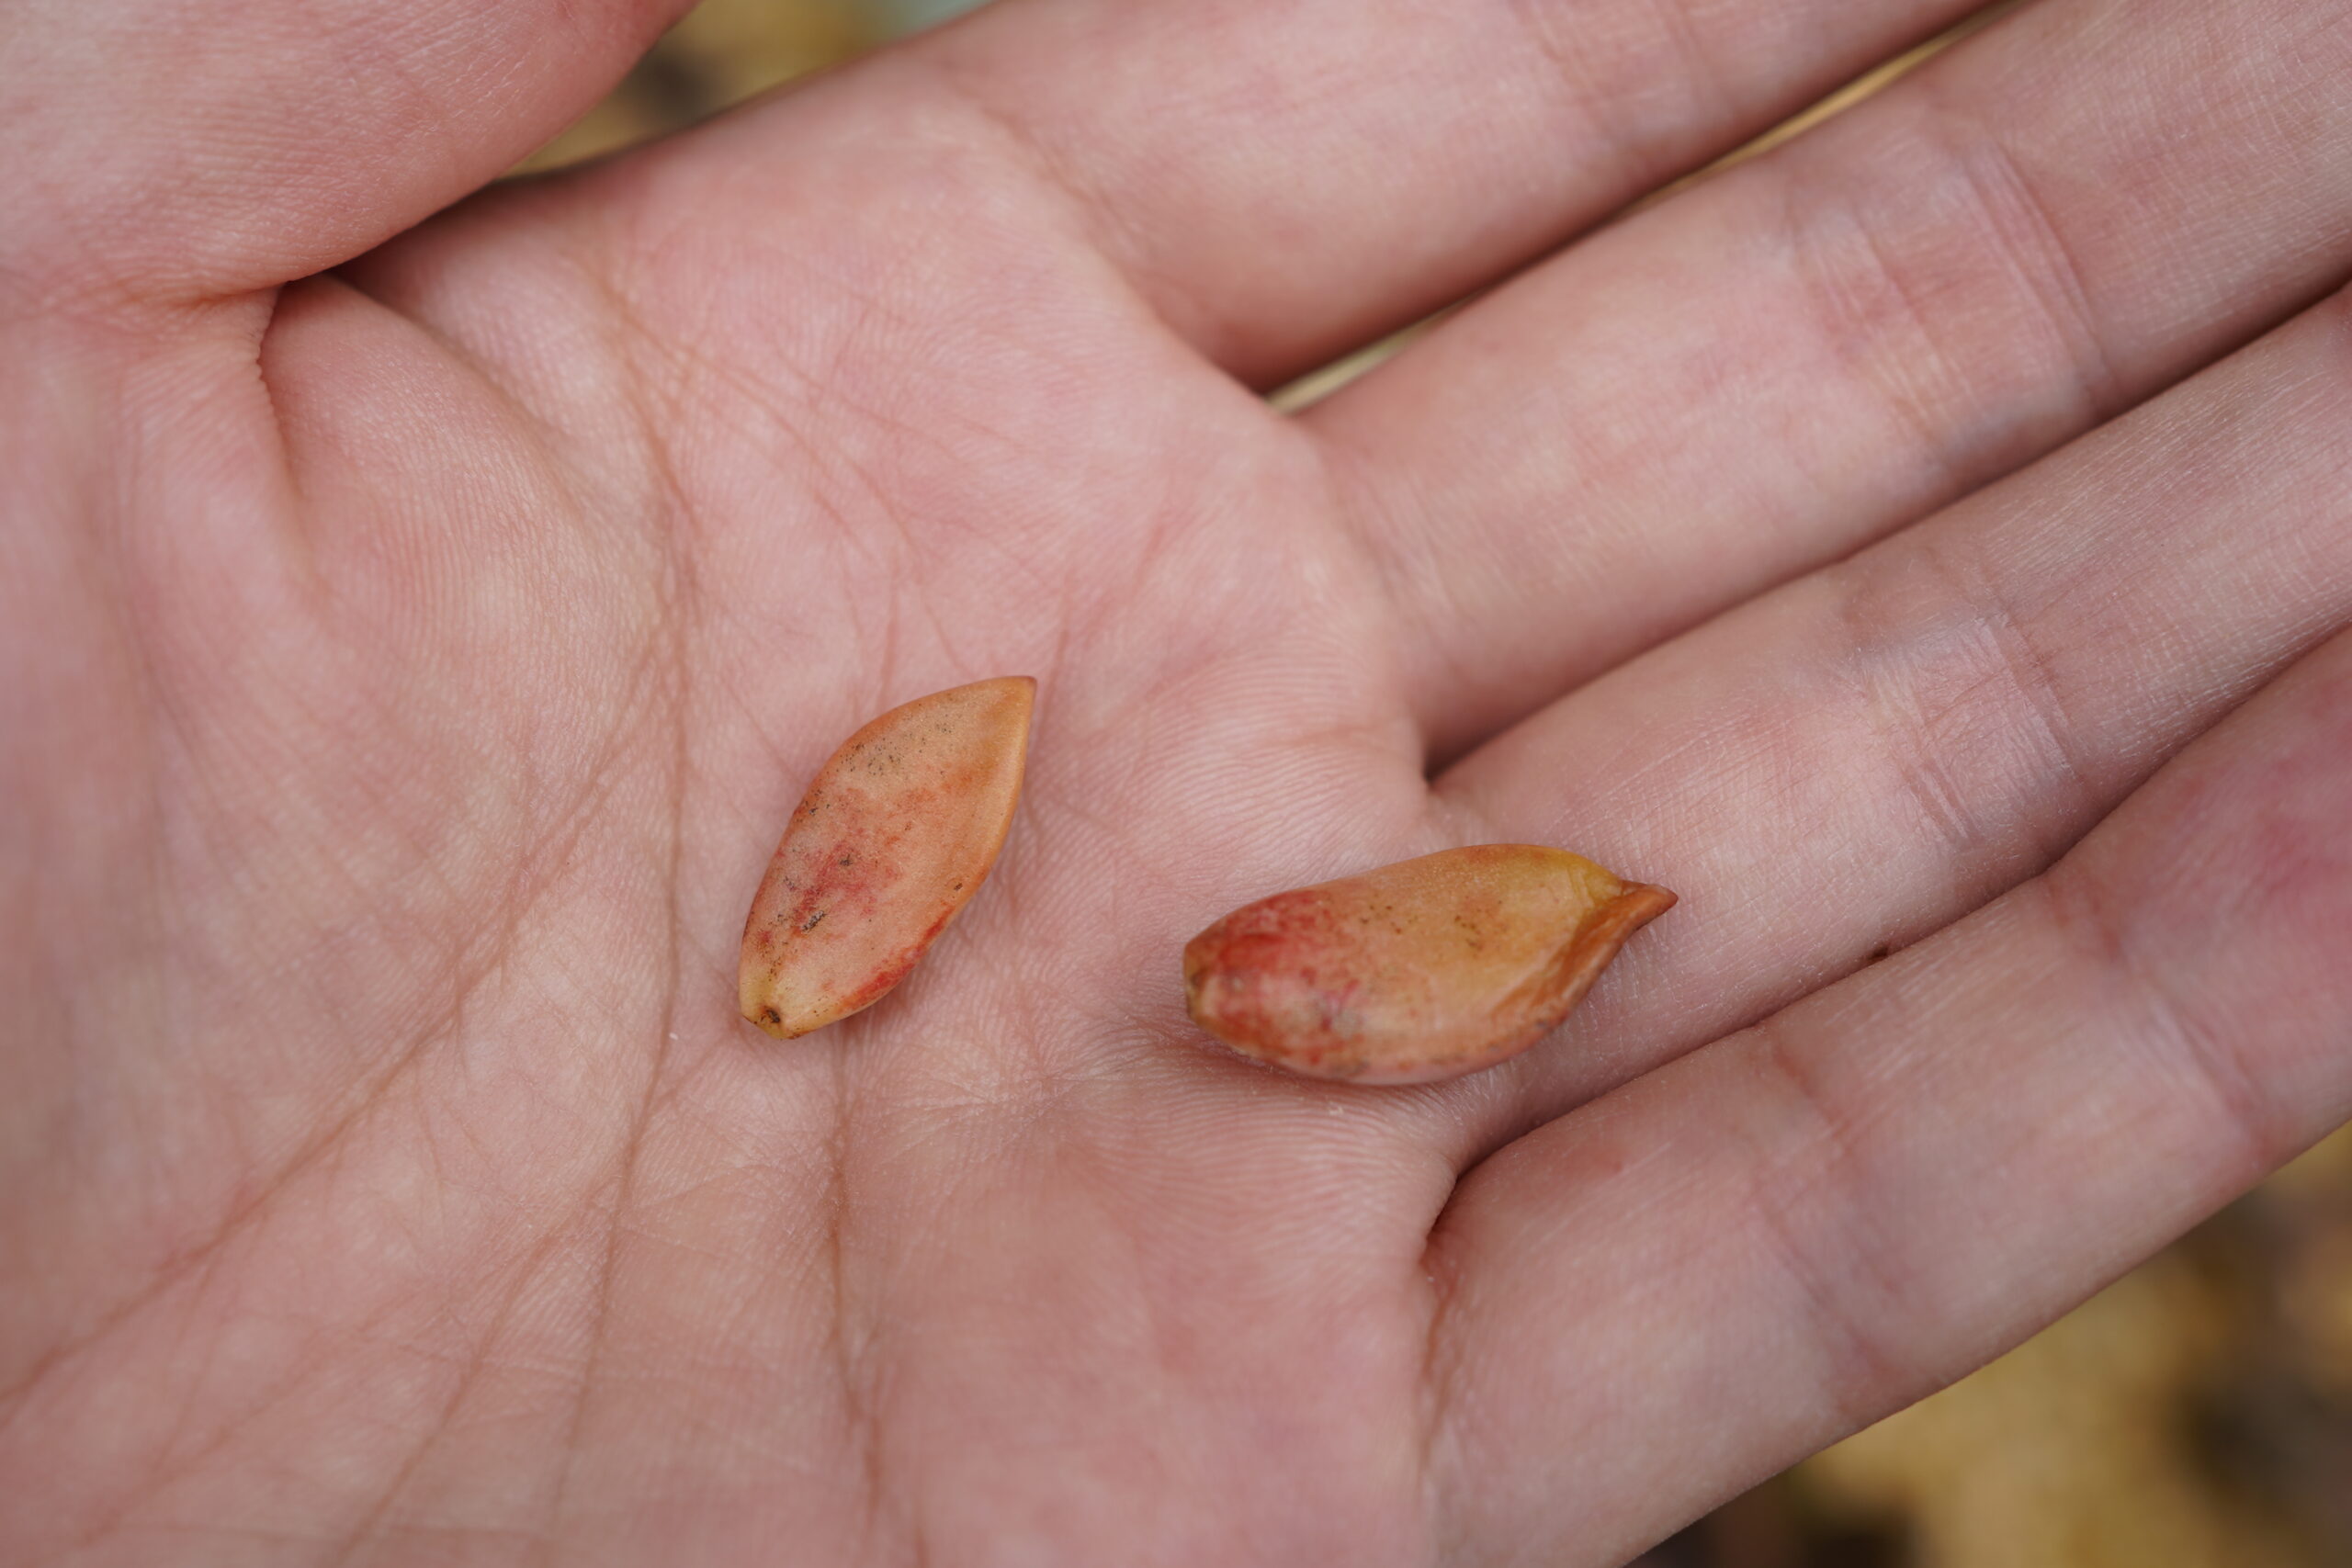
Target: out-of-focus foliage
{"x": 2196, "y": 1415}
{"x": 721, "y": 52}
{"x": 2126, "y": 1434}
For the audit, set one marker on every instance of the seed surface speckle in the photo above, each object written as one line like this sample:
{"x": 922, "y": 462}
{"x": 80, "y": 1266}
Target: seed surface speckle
{"x": 1423, "y": 970}
{"x": 915, "y": 807}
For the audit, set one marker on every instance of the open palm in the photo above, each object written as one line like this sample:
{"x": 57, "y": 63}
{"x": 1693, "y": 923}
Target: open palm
{"x": 1923, "y": 541}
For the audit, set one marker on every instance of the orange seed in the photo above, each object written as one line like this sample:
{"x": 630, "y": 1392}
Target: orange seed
{"x": 898, "y": 831}
{"x": 1423, "y": 970}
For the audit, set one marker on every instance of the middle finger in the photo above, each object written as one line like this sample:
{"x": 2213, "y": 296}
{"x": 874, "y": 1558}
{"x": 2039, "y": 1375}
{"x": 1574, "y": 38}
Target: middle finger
{"x": 1794, "y": 358}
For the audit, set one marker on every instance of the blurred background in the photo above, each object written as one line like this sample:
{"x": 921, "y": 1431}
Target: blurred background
{"x": 2196, "y": 1415}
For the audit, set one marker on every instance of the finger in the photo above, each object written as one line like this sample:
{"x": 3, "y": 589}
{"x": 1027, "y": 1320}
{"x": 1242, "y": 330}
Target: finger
{"x": 1286, "y": 181}
{"x": 181, "y": 148}
{"x": 1775, "y": 367}
{"x": 1779, "y": 1238}
{"x": 1865, "y": 755}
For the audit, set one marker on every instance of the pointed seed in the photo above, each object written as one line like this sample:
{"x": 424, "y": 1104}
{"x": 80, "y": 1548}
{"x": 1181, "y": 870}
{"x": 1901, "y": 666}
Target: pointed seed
{"x": 894, "y": 836}
{"x": 1423, "y": 970}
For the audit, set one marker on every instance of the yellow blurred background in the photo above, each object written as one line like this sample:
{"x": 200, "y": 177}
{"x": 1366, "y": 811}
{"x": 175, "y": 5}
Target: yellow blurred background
{"x": 2196, "y": 1415}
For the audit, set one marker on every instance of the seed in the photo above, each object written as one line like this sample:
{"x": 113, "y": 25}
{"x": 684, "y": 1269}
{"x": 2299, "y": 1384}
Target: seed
{"x": 1419, "y": 971}
{"x": 894, "y": 836}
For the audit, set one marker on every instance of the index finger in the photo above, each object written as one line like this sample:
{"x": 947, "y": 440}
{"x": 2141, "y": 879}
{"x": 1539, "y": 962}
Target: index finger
{"x": 1284, "y": 182}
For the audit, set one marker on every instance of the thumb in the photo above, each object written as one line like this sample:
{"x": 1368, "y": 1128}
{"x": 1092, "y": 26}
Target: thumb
{"x": 171, "y": 150}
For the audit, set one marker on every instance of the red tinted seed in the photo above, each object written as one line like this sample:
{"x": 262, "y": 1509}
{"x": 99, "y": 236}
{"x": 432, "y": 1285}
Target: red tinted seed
{"x": 1423, "y": 970}
{"x": 915, "y": 807}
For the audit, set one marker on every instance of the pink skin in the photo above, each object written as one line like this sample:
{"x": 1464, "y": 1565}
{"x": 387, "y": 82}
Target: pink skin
{"x": 892, "y": 838}
{"x": 413, "y": 632}
{"x": 1417, "y": 971}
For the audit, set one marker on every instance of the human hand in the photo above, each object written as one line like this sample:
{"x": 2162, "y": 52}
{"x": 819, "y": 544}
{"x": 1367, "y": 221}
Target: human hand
{"x": 410, "y": 668}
